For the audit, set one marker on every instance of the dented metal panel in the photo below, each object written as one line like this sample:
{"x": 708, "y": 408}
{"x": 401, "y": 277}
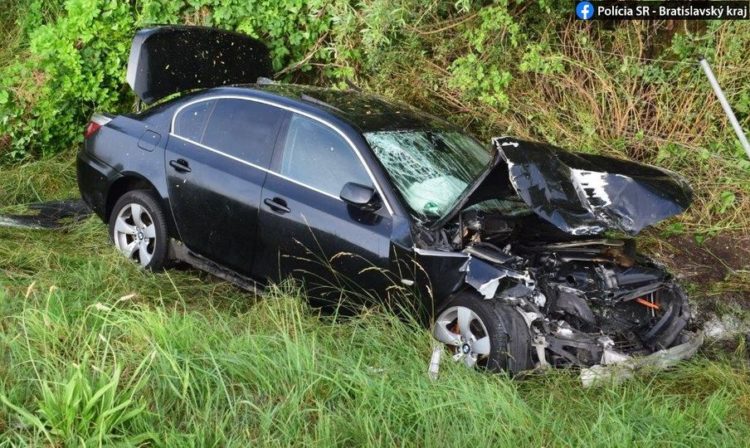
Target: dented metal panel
{"x": 580, "y": 194}
{"x": 586, "y": 194}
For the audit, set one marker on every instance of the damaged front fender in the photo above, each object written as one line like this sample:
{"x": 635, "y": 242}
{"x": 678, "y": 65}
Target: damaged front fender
{"x": 477, "y": 268}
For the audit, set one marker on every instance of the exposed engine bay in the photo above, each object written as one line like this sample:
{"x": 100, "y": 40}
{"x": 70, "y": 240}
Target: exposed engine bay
{"x": 586, "y": 299}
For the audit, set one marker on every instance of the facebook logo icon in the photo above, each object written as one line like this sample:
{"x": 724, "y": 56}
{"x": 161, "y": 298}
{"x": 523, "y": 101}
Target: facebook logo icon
{"x": 584, "y": 10}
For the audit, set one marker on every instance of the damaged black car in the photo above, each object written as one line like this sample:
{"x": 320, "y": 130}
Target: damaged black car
{"x": 510, "y": 246}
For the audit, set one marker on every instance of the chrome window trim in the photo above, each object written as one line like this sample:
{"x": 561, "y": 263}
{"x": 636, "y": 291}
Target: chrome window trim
{"x": 293, "y": 110}
{"x": 245, "y": 162}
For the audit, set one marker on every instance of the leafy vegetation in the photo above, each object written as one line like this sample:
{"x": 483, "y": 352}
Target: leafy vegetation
{"x": 508, "y": 67}
{"x": 97, "y": 352}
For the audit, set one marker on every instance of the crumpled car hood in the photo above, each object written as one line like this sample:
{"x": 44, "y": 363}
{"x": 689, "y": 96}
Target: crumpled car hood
{"x": 586, "y": 194}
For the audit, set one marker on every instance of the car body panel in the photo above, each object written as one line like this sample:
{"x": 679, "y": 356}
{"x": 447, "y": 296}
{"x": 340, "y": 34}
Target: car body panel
{"x": 218, "y": 197}
{"x": 587, "y": 194}
{"x": 331, "y": 244}
{"x": 113, "y": 154}
{"x": 170, "y": 59}
{"x": 93, "y": 179}
{"x": 580, "y": 194}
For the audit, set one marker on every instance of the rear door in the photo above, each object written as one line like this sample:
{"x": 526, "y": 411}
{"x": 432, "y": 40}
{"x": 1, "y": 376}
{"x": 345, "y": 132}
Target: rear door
{"x": 306, "y": 230}
{"x": 216, "y": 160}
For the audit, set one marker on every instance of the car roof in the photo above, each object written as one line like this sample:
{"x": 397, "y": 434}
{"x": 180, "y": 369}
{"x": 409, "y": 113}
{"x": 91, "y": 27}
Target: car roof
{"x": 366, "y": 112}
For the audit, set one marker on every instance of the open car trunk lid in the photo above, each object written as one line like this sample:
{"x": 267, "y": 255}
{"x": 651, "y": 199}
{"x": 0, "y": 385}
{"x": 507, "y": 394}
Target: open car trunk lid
{"x": 582, "y": 194}
{"x": 170, "y": 59}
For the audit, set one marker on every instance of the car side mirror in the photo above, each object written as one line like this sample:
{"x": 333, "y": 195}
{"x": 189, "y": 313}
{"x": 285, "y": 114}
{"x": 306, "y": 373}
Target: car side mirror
{"x": 360, "y": 196}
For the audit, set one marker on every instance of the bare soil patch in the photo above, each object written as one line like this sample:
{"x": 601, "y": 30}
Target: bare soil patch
{"x": 711, "y": 261}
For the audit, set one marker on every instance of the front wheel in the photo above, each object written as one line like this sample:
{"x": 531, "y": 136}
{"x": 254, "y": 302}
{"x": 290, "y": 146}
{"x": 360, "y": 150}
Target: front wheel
{"x": 138, "y": 229}
{"x": 484, "y": 333}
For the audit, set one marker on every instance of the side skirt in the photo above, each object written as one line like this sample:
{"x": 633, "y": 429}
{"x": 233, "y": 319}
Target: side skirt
{"x": 180, "y": 252}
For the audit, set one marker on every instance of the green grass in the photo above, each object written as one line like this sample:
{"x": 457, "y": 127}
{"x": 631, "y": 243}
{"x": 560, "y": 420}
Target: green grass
{"x": 98, "y": 352}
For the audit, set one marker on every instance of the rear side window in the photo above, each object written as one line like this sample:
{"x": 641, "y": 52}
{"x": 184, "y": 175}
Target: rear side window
{"x": 191, "y": 122}
{"x": 244, "y": 129}
{"x": 317, "y": 156}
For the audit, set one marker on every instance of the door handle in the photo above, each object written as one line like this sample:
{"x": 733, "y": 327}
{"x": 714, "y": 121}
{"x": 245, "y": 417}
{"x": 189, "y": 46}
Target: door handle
{"x": 180, "y": 165}
{"x": 277, "y": 204}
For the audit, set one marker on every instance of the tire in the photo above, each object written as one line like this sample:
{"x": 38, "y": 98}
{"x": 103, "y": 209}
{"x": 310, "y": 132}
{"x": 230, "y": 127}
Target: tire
{"x": 498, "y": 340}
{"x": 144, "y": 238}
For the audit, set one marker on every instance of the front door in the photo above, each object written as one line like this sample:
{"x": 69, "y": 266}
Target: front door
{"x": 217, "y": 159}
{"x": 307, "y": 231}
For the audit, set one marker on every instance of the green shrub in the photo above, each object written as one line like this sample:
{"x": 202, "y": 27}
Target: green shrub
{"x": 503, "y": 67}
{"x": 75, "y": 63}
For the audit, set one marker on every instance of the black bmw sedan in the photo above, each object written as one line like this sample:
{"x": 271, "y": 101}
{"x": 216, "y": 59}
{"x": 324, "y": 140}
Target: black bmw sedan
{"x": 507, "y": 246}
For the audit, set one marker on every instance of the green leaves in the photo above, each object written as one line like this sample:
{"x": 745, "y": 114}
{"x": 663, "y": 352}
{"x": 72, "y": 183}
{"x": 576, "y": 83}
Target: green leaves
{"x": 476, "y": 80}
{"x": 726, "y": 201}
{"x": 76, "y": 59}
{"x": 74, "y": 66}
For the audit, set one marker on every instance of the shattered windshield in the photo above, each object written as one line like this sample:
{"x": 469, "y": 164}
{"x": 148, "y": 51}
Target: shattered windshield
{"x": 430, "y": 168}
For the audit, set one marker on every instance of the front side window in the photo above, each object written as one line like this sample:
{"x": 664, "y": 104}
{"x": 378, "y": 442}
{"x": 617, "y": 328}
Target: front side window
{"x": 316, "y": 156}
{"x": 430, "y": 168}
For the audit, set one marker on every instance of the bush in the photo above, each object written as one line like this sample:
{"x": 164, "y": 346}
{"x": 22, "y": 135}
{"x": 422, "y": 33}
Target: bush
{"x": 75, "y": 64}
{"x": 508, "y": 67}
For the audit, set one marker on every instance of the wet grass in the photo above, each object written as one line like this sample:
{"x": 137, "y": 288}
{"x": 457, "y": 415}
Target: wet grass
{"x": 97, "y": 352}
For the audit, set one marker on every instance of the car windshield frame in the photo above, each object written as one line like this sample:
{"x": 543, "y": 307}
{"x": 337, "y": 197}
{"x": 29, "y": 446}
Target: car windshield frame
{"x": 453, "y": 163}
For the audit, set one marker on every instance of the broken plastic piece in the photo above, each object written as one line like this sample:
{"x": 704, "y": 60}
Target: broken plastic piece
{"x": 619, "y": 371}
{"x": 434, "y": 368}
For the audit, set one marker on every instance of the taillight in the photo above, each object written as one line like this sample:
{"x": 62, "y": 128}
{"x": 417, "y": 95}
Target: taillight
{"x": 96, "y": 123}
{"x": 91, "y": 129}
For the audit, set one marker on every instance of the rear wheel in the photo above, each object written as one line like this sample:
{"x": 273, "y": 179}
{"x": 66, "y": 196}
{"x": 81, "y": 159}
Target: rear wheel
{"x": 484, "y": 333}
{"x": 138, "y": 229}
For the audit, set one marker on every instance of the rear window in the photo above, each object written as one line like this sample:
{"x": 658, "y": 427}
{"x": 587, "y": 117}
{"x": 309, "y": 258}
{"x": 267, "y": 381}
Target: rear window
{"x": 191, "y": 122}
{"x": 239, "y": 128}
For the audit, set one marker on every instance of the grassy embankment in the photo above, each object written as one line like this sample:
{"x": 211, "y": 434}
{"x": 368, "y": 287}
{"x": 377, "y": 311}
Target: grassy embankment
{"x": 96, "y": 350}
